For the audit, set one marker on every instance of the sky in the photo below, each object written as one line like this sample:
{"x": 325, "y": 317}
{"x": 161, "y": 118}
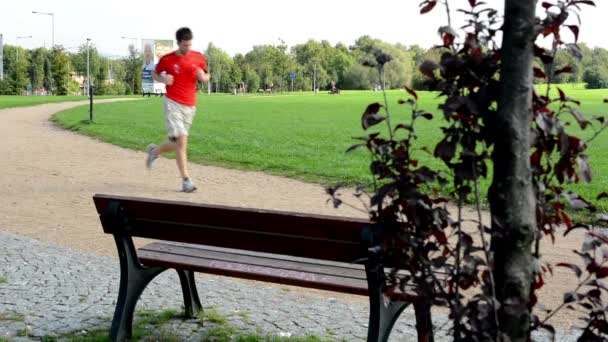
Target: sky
{"x": 237, "y": 25}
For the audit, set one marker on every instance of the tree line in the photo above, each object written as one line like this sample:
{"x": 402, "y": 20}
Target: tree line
{"x": 315, "y": 64}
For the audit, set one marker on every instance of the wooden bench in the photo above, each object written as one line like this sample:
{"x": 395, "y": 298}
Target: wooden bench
{"x": 310, "y": 251}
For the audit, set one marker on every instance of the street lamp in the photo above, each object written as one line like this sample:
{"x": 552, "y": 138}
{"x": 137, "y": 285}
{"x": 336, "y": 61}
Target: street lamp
{"x": 88, "y": 67}
{"x": 89, "y": 81}
{"x": 53, "y": 25}
{"x": 134, "y": 43}
{"x": 17, "y": 49}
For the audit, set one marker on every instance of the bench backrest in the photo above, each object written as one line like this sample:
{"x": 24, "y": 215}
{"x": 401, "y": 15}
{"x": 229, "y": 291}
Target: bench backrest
{"x": 294, "y": 234}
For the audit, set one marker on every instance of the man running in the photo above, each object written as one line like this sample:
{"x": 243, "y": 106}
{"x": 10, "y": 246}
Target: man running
{"x": 179, "y": 70}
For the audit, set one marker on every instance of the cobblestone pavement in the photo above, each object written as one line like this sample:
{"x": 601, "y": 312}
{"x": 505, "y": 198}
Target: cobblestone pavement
{"x": 51, "y": 291}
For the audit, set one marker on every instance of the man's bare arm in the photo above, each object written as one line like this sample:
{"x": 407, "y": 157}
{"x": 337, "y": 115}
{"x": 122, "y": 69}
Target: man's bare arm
{"x": 167, "y": 79}
{"x": 202, "y": 75}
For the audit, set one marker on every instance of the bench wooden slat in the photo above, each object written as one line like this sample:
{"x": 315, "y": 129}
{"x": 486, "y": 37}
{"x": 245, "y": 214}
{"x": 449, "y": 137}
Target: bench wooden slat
{"x": 257, "y": 259}
{"x": 253, "y": 272}
{"x": 301, "y": 235}
{"x": 354, "y": 266}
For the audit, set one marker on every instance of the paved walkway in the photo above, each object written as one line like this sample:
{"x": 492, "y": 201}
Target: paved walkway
{"x": 58, "y": 291}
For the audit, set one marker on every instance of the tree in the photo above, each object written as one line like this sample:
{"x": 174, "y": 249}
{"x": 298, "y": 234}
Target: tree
{"x": 511, "y": 194}
{"x": 236, "y": 76}
{"x": 358, "y": 77}
{"x": 60, "y": 68}
{"x": 596, "y": 73}
{"x": 36, "y": 70}
{"x": 48, "y": 74}
{"x": 492, "y": 114}
{"x": 252, "y": 79}
{"x": 398, "y": 71}
{"x": 220, "y": 65}
{"x": 133, "y": 68}
{"x": 16, "y": 71}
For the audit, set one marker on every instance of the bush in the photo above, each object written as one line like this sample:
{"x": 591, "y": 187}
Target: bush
{"x": 596, "y": 78}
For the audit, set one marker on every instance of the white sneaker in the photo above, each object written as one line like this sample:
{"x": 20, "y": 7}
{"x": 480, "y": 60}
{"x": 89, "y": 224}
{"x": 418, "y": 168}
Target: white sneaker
{"x": 188, "y": 186}
{"x": 152, "y": 156}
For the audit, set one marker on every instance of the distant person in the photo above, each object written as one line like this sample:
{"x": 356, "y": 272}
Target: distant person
{"x": 179, "y": 71}
{"x": 148, "y": 57}
{"x": 148, "y": 69}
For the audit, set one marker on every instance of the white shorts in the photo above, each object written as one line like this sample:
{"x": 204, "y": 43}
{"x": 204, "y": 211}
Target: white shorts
{"x": 178, "y": 118}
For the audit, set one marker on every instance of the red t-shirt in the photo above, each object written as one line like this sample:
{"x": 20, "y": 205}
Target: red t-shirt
{"x": 183, "y": 69}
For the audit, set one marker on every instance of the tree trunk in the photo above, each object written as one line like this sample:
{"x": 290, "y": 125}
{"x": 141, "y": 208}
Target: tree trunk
{"x": 511, "y": 194}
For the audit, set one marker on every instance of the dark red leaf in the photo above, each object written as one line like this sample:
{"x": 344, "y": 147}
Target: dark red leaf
{"x": 427, "y": 116}
{"x": 595, "y": 293}
{"x": 406, "y": 127}
{"x": 574, "y": 30}
{"x": 370, "y": 117}
{"x": 562, "y": 95}
{"x": 448, "y": 40}
{"x": 429, "y": 7}
{"x": 580, "y": 118}
{"x": 584, "y": 168}
{"x": 586, "y": 2}
{"x": 599, "y": 236}
{"x": 535, "y": 158}
{"x": 428, "y": 68}
{"x": 441, "y": 237}
{"x": 539, "y": 282}
{"x": 539, "y": 73}
{"x": 602, "y": 272}
{"x": 445, "y": 149}
{"x": 547, "y": 5}
{"x": 566, "y": 69}
{"x": 573, "y": 267}
{"x": 567, "y": 220}
{"x": 412, "y": 92}
{"x": 570, "y": 297}
{"x": 354, "y": 147}
{"x": 472, "y": 3}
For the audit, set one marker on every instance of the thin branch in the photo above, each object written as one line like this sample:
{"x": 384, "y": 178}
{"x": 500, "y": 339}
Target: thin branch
{"x": 457, "y": 275}
{"x": 447, "y": 9}
{"x": 485, "y": 248}
{"x": 564, "y": 304}
{"x": 597, "y": 133}
{"x": 388, "y": 115}
{"x": 550, "y": 69}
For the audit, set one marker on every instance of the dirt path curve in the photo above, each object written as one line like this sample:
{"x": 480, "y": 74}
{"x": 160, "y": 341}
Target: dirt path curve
{"x": 48, "y": 176}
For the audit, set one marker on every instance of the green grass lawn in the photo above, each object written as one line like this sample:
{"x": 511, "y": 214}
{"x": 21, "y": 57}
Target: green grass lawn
{"x": 10, "y": 101}
{"x": 302, "y": 136}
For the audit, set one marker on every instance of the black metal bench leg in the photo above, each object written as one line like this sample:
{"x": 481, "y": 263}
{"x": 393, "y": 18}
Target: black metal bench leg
{"x": 424, "y": 322}
{"x": 192, "y": 304}
{"x": 133, "y": 280}
{"x": 383, "y": 312}
{"x": 382, "y": 318}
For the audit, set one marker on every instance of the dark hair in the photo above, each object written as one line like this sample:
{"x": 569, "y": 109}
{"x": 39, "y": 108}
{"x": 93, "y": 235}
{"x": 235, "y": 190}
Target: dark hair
{"x": 182, "y": 34}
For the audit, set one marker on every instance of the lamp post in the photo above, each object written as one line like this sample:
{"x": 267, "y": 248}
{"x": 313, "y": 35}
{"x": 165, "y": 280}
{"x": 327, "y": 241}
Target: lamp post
{"x": 134, "y": 41}
{"x": 52, "y": 15}
{"x": 22, "y": 37}
{"x": 90, "y": 86}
